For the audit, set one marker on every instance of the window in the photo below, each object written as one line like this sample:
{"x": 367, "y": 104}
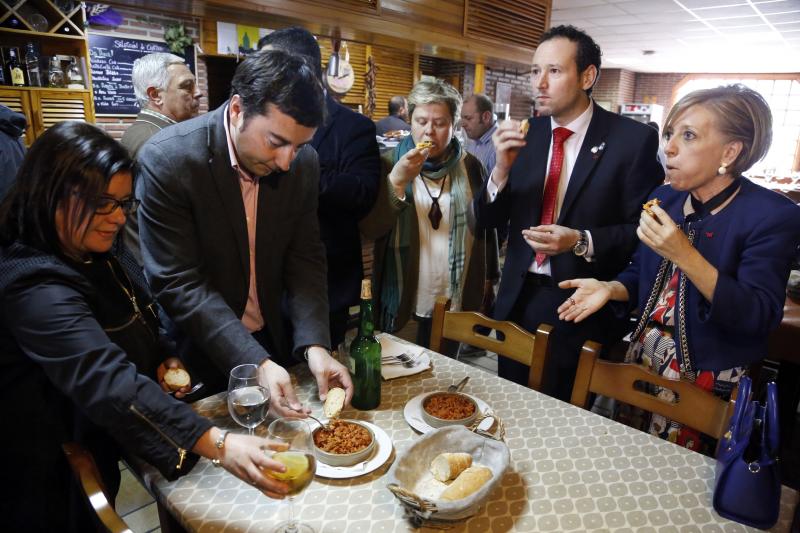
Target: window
{"x": 783, "y": 97}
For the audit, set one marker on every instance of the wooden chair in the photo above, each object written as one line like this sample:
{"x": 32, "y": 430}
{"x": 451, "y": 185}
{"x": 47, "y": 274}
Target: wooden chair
{"x": 85, "y": 470}
{"x": 695, "y": 407}
{"x": 527, "y": 348}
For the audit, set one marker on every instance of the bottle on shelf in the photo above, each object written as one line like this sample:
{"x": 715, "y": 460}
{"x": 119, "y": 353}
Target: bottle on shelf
{"x": 74, "y": 76}
{"x": 55, "y": 76}
{"x": 15, "y": 69}
{"x": 366, "y": 354}
{"x": 32, "y": 66}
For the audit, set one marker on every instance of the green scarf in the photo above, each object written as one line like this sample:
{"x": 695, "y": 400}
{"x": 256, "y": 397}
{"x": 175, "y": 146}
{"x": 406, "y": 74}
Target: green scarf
{"x": 396, "y": 259}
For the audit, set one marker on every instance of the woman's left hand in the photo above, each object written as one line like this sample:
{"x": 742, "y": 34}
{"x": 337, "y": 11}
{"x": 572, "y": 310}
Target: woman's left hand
{"x": 172, "y": 362}
{"x": 663, "y": 235}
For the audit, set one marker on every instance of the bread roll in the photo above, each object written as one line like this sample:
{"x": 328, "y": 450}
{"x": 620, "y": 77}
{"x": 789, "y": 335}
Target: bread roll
{"x": 334, "y": 403}
{"x": 447, "y": 466}
{"x": 176, "y": 378}
{"x": 468, "y": 482}
{"x": 524, "y": 126}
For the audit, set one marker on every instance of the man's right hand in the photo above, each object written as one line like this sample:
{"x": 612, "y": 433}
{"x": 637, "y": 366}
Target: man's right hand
{"x": 406, "y": 169}
{"x": 282, "y": 399}
{"x": 507, "y": 141}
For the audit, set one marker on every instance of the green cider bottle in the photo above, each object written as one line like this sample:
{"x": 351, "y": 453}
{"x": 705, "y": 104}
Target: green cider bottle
{"x": 366, "y": 356}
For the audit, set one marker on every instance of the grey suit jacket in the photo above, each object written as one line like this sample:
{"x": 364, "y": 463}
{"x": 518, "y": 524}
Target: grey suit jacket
{"x": 195, "y": 247}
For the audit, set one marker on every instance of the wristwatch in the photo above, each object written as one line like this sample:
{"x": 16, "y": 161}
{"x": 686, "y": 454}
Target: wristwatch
{"x": 582, "y": 246}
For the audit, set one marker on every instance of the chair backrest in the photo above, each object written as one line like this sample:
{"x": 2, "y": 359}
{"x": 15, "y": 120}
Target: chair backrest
{"x": 85, "y": 469}
{"x": 694, "y": 407}
{"x": 517, "y": 344}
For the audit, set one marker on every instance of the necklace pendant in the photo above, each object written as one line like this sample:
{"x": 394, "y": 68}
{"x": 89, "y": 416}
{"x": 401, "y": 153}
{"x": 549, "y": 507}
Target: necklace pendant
{"x": 435, "y": 215}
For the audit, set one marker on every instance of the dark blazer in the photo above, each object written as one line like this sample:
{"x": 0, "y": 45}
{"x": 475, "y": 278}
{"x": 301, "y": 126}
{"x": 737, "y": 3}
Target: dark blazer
{"x": 751, "y": 241}
{"x": 349, "y": 165}
{"x": 605, "y": 195}
{"x": 195, "y": 247}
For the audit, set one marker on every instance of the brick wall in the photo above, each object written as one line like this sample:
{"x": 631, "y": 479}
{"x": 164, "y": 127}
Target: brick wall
{"x": 521, "y": 90}
{"x": 142, "y": 24}
{"x": 616, "y": 86}
{"x": 656, "y": 88}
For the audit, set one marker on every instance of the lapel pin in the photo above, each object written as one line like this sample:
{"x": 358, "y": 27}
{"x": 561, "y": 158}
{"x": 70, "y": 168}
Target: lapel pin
{"x": 598, "y": 148}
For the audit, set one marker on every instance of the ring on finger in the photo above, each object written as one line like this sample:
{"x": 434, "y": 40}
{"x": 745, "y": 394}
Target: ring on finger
{"x": 571, "y": 300}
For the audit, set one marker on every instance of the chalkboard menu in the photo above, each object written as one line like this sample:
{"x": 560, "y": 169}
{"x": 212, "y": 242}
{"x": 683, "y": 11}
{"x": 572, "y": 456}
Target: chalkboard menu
{"x": 111, "y": 59}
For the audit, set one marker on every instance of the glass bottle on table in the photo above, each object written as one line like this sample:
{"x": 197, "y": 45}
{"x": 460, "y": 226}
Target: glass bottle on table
{"x": 366, "y": 355}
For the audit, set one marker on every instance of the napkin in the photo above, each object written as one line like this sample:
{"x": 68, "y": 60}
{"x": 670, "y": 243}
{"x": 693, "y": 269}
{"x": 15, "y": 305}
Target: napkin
{"x": 390, "y": 348}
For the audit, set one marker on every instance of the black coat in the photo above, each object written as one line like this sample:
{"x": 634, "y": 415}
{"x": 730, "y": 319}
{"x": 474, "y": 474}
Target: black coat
{"x": 350, "y": 166}
{"x": 72, "y": 361}
{"x": 605, "y": 194}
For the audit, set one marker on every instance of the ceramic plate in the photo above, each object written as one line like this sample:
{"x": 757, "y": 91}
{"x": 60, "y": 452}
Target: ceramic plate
{"x": 380, "y": 454}
{"x": 412, "y": 412}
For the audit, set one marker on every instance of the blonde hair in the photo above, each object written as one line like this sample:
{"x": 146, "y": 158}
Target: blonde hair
{"x": 740, "y": 113}
{"x": 435, "y": 92}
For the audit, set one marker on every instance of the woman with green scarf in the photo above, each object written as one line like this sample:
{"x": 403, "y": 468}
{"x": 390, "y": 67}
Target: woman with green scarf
{"x": 426, "y": 241}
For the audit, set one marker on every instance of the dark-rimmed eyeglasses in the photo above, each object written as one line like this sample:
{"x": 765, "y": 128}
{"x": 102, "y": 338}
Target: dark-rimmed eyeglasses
{"x": 105, "y": 205}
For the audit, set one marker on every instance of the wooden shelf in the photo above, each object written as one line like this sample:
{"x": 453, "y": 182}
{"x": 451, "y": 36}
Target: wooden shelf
{"x": 45, "y": 35}
{"x": 48, "y": 89}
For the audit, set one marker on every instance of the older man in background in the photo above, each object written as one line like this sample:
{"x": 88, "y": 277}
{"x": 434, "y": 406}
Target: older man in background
{"x": 477, "y": 120}
{"x": 167, "y": 93}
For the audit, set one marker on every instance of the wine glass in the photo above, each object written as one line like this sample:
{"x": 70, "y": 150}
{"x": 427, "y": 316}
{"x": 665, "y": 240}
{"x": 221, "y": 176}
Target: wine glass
{"x": 248, "y": 400}
{"x": 299, "y": 461}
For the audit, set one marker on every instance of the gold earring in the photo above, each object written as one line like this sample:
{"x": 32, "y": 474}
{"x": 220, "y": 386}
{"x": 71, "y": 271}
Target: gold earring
{"x": 722, "y": 169}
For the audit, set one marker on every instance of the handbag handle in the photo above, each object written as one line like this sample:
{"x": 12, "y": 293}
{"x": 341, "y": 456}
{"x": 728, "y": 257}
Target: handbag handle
{"x": 742, "y": 401}
{"x": 771, "y": 436}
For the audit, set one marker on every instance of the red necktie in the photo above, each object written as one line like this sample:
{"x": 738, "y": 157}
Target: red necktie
{"x": 551, "y": 186}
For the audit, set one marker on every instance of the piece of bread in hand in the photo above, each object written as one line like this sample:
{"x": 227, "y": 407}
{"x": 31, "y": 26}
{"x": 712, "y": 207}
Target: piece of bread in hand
{"x": 177, "y": 378}
{"x": 468, "y": 482}
{"x": 648, "y": 207}
{"x": 334, "y": 403}
{"x": 424, "y": 144}
{"x": 447, "y": 466}
{"x": 524, "y": 126}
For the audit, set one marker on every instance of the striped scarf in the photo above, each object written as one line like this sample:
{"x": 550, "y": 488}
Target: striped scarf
{"x": 396, "y": 259}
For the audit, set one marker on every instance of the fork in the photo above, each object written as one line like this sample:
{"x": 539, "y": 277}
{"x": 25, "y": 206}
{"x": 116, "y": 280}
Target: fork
{"x": 404, "y": 359}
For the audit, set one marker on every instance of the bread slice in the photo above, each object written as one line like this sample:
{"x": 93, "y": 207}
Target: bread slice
{"x": 334, "y": 403}
{"x": 468, "y": 482}
{"x": 177, "y": 378}
{"x": 524, "y": 126}
{"x": 447, "y": 466}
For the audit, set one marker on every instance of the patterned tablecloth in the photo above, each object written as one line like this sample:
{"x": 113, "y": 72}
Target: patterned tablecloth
{"x": 571, "y": 470}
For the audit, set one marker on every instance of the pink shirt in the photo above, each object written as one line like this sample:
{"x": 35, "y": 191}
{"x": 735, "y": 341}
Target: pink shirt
{"x": 251, "y": 318}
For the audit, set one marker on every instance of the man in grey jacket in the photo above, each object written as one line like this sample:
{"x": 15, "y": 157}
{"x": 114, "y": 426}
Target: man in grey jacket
{"x": 167, "y": 93}
{"x": 230, "y": 236}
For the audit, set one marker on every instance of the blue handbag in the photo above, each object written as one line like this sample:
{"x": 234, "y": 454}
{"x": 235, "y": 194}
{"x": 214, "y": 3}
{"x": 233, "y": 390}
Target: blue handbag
{"x": 748, "y": 482}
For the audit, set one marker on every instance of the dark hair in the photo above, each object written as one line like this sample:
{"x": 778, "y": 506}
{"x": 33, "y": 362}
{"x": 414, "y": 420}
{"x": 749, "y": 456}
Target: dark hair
{"x": 69, "y": 159}
{"x": 283, "y": 79}
{"x": 295, "y": 40}
{"x": 588, "y": 52}
{"x": 482, "y": 103}
{"x": 396, "y": 103}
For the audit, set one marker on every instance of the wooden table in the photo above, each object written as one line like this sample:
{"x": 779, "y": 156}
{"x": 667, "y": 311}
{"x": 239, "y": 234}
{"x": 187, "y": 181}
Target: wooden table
{"x": 570, "y": 470}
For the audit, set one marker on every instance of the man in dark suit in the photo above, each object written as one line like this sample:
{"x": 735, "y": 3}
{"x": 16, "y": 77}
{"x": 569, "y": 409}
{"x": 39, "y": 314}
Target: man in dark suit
{"x": 572, "y": 189}
{"x": 230, "y": 235}
{"x": 350, "y": 166}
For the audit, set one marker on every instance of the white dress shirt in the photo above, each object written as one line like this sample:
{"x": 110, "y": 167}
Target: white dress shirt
{"x": 572, "y": 147}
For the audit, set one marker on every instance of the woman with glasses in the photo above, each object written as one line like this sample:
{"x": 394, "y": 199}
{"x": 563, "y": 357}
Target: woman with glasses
{"x": 80, "y": 343}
